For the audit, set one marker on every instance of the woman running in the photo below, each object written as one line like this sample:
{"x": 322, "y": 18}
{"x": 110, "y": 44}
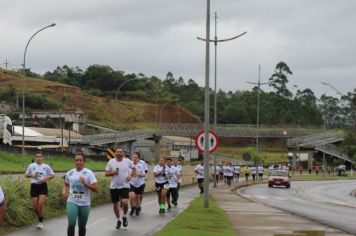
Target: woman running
{"x": 77, "y": 183}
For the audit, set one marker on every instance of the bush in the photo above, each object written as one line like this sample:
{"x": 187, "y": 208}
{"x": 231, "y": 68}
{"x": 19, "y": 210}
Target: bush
{"x": 20, "y": 212}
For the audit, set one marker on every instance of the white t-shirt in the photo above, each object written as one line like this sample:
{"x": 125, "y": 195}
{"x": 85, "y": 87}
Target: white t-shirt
{"x": 1, "y": 195}
{"x": 43, "y": 171}
{"x": 237, "y": 169}
{"x": 120, "y": 180}
{"x": 260, "y": 169}
{"x": 228, "y": 171}
{"x": 180, "y": 171}
{"x": 78, "y": 193}
{"x": 144, "y": 164}
{"x": 173, "y": 173}
{"x": 137, "y": 181}
{"x": 200, "y": 169}
{"x": 253, "y": 170}
{"x": 159, "y": 169}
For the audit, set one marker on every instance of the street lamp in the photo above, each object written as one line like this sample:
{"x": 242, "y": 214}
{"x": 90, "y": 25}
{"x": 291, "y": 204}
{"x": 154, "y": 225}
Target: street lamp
{"x": 23, "y": 90}
{"x": 117, "y": 107}
{"x": 216, "y": 41}
{"x": 258, "y": 106}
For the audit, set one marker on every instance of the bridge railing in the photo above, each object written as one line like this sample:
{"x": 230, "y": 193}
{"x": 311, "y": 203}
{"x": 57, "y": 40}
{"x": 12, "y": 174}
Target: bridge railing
{"x": 334, "y": 151}
{"x": 316, "y": 139}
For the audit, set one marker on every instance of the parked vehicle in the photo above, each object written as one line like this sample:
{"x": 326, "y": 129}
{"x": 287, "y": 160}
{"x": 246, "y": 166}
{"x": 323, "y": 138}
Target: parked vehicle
{"x": 279, "y": 178}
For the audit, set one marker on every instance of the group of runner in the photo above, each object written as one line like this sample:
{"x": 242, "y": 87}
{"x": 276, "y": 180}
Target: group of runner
{"x": 127, "y": 186}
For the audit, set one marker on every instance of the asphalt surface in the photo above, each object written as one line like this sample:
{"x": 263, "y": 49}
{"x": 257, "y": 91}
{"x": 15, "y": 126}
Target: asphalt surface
{"x": 327, "y": 202}
{"x": 102, "y": 221}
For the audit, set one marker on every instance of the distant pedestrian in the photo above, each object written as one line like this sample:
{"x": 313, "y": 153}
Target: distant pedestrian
{"x": 175, "y": 163}
{"x": 228, "y": 173}
{"x": 137, "y": 185}
{"x": 260, "y": 171}
{"x": 78, "y": 183}
{"x": 161, "y": 184}
{"x": 39, "y": 173}
{"x": 253, "y": 173}
{"x": 2, "y": 205}
{"x": 301, "y": 170}
{"x": 246, "y": 171}
{"x": 173, "y": 176}
{"x": 236, "y": 173}
{"x": 199, "y": 171}
{"x": 317, "y": 169}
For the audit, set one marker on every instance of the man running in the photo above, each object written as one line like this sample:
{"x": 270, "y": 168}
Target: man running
{"x": 2, "y": 205}
{"x": 228, "y": 173}
{"x": 253, "y": 173}
{"x": 236, "y": 173}
{"x": 173, "y": 175}
{"x": 199, "y": 171}
{"x": 161, "y": 184}
{"x": 246, "y": 171}
{"x": 39, "y": 173}
{"x": 120, "y": 170}
{"x": 137, "y": 185}
{"x": 260, "y": 171}
{"x": 144, "y": 164}
{"x": 175, "y": 164}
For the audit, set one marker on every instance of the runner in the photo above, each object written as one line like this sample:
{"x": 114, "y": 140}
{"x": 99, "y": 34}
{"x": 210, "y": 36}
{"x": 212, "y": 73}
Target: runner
{"x": 120, "y": 170}
{"x": 216, "y": 174}
{"x": 253, "y": 172}
{"x": 260, "y": 171}
{"x": 236, "y": 173}
{"x": 77, "y": 183}
{"x": 175, "y": 163}
{"x": 228, "y": 173}
{"x": 161, "y": 183}
{"x": 137, "y": 185}
{"x": 39, "y": 173}
{"x": 246, "y": 171}
{"x": 221, "y": 173}
{"x": 173, "y": 175}
{"x": 2, "y": 205}
{"x": 144, "y": 164}
{"x": 199, "y": 171}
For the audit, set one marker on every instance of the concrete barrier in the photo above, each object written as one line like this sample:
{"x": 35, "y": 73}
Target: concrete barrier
{"x": 311, "y": 232}
{"x": 289, "y": 234}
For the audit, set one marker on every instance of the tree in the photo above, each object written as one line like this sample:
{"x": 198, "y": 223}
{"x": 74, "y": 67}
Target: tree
{"x": 279, "y": 79}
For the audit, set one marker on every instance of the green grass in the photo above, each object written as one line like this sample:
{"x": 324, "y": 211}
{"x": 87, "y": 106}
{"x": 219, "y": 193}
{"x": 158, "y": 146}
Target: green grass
{"x": 197, "y": 221}
{"x": 270, "y": 154}
{"x": 10, "y": 163}
{"x": 297, "y": 177}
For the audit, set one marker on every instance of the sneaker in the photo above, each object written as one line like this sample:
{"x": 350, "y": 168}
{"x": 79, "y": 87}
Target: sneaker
{"x": 132, "y": 211}
{"x": 137, "y": 211}
{"x": 160, "y": 211}
{"x": 118, "y": 224}
{"x": 125, "y": 223}
{"x": 163, "y": 211}
{"x": 169, "y": 207}
{"x": 39, "y": 225}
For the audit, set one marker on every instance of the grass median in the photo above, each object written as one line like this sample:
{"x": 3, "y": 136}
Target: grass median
{"x": 197, "y": 220}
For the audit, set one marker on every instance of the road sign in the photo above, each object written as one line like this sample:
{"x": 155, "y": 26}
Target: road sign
{"x": 214, "y": 141}
{"x": 246, "y": 156}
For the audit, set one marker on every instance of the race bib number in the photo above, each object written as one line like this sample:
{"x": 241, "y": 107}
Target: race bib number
{"x": 78, "y": 196}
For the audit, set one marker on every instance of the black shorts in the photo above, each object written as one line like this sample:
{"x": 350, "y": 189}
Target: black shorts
{"x": 201, "y": 180}
{"x": 39, "y": 189}
{"x": 260, "y": 174}
{"x": 117, "y": 194}
{"x": 161, "y": 186}
{"x": 137, "y": 190}
{"x": 229, "y": 177}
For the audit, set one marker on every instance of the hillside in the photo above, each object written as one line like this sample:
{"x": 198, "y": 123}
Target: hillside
{"x": 131, "y": 114}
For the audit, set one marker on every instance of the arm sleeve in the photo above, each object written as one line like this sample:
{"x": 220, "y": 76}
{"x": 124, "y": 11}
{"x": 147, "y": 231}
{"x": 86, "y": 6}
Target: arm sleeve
{"x": 66, "y": 179}
{"x": 92, "y": 179}
{"x": 108, "y": 167}
{"x": 29, "y": 170}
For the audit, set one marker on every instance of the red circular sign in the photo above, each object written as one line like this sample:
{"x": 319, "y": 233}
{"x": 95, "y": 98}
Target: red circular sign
{"x": 214, "y": 141}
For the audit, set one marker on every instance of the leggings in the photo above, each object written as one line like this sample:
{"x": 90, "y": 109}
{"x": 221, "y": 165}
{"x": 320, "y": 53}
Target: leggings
{"x": 74, "y": 212}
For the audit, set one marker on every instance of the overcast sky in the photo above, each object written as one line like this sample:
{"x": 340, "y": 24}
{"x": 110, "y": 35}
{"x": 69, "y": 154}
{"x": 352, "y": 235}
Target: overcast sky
{"x": 316, "y": 38}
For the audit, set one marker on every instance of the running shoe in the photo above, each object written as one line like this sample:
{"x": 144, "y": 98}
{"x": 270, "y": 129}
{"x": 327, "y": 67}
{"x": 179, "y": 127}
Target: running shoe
{"x": 137, "y": 211}
{"x": 39, "y": 225}
{"x": 125, "y": 223}
{"x": 132, "y": 211}
{"x": 118, "y": 224}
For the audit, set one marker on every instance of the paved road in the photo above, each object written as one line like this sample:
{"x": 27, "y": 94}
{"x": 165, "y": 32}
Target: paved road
{"x": 102, "y": 221}
{"x": 327, "y": 202}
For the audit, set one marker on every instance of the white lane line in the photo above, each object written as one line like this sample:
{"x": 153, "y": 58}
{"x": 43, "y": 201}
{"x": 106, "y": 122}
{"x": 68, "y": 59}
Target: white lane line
{"x": 280, "y": 198}
{"x": 261, "y": 197}
{"x": 98, "y": 221}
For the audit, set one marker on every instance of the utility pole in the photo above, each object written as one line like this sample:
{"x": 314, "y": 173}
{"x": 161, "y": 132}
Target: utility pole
{"x": 6, "y": 64}
{"x": 258, "y": 107}
{"x": 216, "y": 41}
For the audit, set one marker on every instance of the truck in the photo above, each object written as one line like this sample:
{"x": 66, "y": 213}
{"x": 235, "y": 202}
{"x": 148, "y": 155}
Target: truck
{"x": 6, "y": 129}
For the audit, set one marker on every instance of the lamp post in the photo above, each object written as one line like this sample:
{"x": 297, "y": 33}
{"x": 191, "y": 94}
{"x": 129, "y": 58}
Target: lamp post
{"x": 157, "y": 91}
{"x": 258, "y": 107}
{"x": 216, "y": 41}
{"x": 117, "y": 108}
{"x": 23, "y": 90}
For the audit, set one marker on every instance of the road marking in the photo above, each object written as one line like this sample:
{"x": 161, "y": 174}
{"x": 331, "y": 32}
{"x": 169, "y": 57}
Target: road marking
{"x": 98, "y": 221}
{"x": 261, "y": 197}
{"x": 280, "y": 198}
